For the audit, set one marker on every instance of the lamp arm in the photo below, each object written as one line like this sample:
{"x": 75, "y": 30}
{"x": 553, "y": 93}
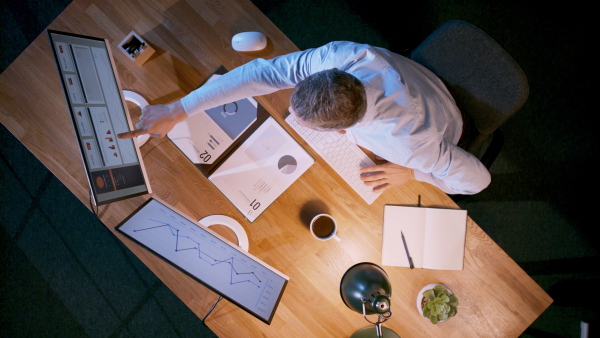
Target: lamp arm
{"x": 378, "y": 331}
{"x": 382, "y": 318}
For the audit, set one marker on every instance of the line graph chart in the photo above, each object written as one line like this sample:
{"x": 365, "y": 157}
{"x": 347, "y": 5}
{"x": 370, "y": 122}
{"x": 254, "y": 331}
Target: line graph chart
{"x": 232, "y": 272}
{"x": 183, "y": 243}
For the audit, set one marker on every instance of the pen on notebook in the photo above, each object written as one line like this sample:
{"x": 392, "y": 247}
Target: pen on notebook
{"x": 410, "y": 262}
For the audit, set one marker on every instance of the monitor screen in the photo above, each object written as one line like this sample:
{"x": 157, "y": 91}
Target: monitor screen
{"x": 228, "y": 270}
{"x": 86, "y": 69}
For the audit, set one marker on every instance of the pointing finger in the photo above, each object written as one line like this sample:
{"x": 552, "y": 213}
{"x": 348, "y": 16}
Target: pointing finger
{"x": 132, "y": 134}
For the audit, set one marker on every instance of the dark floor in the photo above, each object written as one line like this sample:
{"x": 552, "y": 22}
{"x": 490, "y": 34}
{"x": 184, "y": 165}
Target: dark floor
{"x": 536, "y": 208}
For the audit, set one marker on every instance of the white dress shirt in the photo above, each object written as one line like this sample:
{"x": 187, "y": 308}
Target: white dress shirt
{"x": 411, "y": 119}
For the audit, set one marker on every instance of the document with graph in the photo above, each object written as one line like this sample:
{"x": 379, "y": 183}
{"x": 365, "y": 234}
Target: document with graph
{"x": 243, "y": 151}
{"x": 261, "y": 169}
{"x": 206, "y": 136}
{"x": 220, "y": 265}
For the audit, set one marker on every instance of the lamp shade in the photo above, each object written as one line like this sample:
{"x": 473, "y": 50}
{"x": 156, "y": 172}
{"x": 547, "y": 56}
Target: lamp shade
{"x": 366, "y": 282}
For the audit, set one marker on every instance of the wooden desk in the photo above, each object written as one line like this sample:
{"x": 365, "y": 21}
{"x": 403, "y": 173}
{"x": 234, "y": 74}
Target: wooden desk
{"x": 192, "y": 39}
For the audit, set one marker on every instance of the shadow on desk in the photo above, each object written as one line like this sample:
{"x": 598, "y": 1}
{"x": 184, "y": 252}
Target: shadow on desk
{"x": 311, "y": 209}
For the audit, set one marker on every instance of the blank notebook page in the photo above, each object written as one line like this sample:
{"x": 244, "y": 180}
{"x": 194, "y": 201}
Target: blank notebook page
{"x": 445, "y": 239}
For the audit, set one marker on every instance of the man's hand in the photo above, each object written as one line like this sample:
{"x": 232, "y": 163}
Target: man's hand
{"x": 157, "y": 120}
{"x": 385, "y": 176}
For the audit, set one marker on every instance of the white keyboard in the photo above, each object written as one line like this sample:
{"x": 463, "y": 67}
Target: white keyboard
{"x": 341, "y": 154}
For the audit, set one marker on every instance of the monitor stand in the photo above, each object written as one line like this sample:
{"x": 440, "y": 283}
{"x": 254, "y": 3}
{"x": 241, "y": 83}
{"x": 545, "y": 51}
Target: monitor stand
{"x": 231, "y": 224}
{"x": 208, "y": 220}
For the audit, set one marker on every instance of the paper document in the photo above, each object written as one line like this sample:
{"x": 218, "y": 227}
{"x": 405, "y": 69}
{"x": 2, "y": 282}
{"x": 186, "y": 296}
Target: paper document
{"x": 243, "y": 151}
{"x": 205, "y": 136}
{"x": 261, "y": 169}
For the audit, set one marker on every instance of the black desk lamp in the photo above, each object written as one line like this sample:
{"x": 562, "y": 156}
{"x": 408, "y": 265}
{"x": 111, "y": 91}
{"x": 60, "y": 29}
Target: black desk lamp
{"x": 366, "y": 289}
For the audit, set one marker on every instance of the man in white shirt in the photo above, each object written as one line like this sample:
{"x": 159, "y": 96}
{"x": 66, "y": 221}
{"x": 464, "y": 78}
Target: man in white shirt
{"x": 382, "y": 101}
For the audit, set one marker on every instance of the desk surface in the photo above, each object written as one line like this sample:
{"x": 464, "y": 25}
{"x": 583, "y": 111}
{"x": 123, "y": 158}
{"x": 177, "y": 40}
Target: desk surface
{"x": 192, "y": 39}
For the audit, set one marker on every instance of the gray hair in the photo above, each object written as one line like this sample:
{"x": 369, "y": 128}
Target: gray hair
{"x": 330, "y": 100}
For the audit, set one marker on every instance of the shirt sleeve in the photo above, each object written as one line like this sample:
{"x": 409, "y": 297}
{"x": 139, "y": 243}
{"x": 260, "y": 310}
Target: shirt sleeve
{"x": 255, "y": 78}
{"x": 455, "y": 171}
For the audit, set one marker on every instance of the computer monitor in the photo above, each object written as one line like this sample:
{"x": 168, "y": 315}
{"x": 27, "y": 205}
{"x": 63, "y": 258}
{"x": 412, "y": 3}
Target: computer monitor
{"x": 114, "y": 166}
{"x": 202, "y": 254}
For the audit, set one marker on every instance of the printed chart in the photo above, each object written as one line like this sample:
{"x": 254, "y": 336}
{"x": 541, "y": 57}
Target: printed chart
{"x": 261, "y": 169}
{"x": 205, "y": 136}
{"x": 230, "y": 271}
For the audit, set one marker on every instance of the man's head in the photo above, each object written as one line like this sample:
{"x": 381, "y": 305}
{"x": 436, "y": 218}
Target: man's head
{"x": 329, "y": 100}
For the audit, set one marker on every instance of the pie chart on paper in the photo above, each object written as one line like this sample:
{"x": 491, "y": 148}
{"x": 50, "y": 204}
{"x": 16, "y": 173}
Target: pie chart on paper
{"x": 287, "y": 164}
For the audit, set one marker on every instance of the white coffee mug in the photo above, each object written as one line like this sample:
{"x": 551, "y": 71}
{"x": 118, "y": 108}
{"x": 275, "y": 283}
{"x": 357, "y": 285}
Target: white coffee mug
{"x": 324, "y": 227}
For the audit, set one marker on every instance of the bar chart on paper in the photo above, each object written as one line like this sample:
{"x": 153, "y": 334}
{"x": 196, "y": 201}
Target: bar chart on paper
{"x": 232, "y": 272}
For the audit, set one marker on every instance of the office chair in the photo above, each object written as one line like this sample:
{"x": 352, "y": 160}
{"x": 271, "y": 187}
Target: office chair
{"x": 485, "y": 81}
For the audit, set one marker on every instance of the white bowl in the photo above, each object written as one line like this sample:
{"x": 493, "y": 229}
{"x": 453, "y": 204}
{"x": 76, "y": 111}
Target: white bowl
{"x": 420, "y": 299}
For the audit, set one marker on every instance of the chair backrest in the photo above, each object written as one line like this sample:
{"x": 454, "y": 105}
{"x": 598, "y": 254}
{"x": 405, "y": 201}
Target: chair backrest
{"x": 486, "y": 82}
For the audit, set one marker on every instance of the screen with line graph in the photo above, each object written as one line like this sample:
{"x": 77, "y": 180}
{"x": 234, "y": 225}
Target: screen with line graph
{"x": 228, "y": 270}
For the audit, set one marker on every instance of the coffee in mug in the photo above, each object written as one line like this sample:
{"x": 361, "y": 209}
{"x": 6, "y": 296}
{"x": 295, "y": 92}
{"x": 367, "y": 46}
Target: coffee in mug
{"x": 323, "y": 227}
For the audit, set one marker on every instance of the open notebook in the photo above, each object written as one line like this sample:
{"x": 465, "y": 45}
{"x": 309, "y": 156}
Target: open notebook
{"x": 435, "y": 238}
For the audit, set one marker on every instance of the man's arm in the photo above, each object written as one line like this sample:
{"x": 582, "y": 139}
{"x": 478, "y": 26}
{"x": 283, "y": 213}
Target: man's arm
{"x": 255, "y": 78}
{"x": 456, "y": 171}
{"x": 473, "y": 181}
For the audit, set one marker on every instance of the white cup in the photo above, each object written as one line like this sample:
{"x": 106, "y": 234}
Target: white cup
{"x": 324, "y": 227}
